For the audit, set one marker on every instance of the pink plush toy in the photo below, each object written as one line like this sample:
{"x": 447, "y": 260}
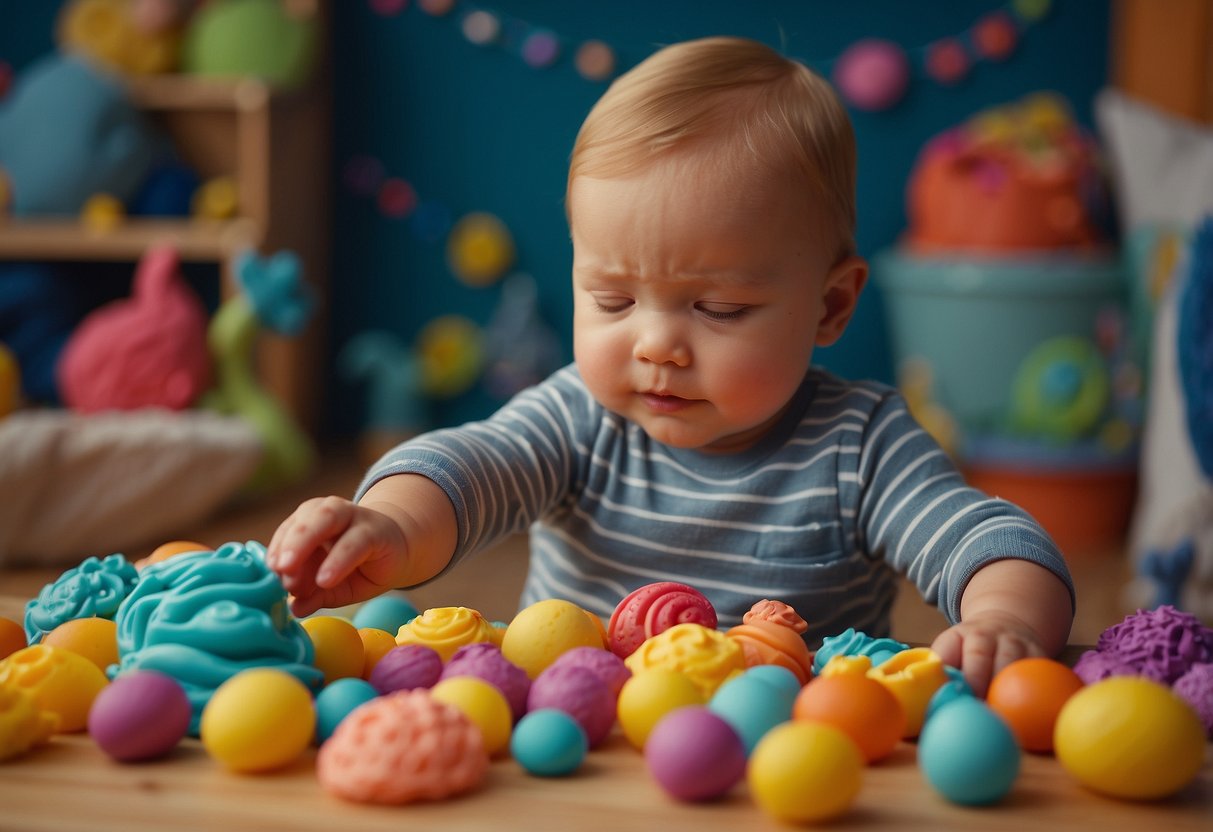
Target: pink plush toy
{"x": 146, "y": 351}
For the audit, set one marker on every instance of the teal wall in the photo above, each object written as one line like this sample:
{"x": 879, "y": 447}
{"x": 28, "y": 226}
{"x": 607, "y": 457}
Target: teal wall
{"x": 477, "y": 129}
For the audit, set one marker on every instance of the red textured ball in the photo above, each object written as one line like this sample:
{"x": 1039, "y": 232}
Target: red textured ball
{"x": 655, "y": 608}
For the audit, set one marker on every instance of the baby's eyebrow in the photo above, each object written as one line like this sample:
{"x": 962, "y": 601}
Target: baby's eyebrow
{"x": 708, "y": 277}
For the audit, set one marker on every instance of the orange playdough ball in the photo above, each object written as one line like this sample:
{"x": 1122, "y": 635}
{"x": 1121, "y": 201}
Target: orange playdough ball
{"x": 375, "y": 645}
{"x": 12, "y": 638}
{"x": 94, "y": 638}
{"x": 1028, "y": 694}
{"x": 859, "y": 706}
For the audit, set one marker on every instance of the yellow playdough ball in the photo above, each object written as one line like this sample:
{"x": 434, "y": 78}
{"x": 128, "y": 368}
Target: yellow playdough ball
{"x": 482, "y": 703}
{"x": 339, "y": 651}
{"x": 1129, "y": 737}
{"x": 805, "y": 771}
{"x": 375, "y": 644}
{"x": 544, "y": 630}
{"x": 58, "y": 680}
{"x": 647, "y": 697}
{"x": 258, "y": 720}
{"x": 94, "y": 638}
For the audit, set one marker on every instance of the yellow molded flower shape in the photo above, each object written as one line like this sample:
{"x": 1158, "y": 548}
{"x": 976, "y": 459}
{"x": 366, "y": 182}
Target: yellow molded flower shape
{"x": 446, "y": 629}
{"x": 707, "y": 657}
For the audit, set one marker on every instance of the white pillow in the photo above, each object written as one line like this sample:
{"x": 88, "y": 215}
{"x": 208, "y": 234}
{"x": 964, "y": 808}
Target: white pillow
{"x": 75, "y": 485}
{"x": 1162, "y": 168}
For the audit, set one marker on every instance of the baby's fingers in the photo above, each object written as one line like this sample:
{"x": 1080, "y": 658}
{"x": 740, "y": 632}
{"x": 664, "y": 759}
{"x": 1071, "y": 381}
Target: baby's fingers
{"x": 349, "y": 552}
{"x": 313, "y": 524}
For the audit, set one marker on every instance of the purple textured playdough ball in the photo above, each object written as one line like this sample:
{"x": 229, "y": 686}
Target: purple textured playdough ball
{"x": 580, "y": 694}
{"x": 141, "y": 715}
{"x": 485, "y": 661}
{"x": 694, "y": 754}
{"x": 602, "y": 663}
{"x": 1196, "y": 686}
{"x": 406, "y": 667}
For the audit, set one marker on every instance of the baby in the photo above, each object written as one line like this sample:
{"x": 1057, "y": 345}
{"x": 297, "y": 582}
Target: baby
{"x": 711, "y": 202}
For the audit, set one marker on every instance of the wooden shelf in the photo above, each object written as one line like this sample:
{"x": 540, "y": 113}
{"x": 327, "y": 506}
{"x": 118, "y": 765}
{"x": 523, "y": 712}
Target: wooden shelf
{"x": 188, "y": 92}
{"x": 69, "y": 239}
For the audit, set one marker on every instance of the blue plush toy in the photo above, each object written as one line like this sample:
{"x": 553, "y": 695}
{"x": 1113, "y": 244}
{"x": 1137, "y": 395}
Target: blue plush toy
{"x": 67, "y": 132}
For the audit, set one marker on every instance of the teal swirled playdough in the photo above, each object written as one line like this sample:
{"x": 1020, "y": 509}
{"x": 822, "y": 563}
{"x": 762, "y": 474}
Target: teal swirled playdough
{"x": 94, "y": 589}
{"x": 203, "y": 617}
{"x": 851, "y": 642}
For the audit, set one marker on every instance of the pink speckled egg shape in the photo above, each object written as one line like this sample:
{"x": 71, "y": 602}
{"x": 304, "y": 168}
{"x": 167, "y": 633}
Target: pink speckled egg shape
{"x": 579, "y": 693}
{"x": 485, "y": 661}
{"x": 400, "y": 748}
{"x": 602, "y": 663}
{"x": 406, "y": 667}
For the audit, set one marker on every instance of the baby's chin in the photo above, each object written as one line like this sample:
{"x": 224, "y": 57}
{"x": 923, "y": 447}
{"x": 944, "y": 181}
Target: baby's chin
{"x": 689, "y": 438}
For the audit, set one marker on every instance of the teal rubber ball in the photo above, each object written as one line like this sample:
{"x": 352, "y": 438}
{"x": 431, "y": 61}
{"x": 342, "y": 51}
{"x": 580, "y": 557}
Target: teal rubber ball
{"x": 968, "y": 753}
{"x": 335, "y": 702}
{"x": 752, "y": 707}
{"x": 780, "y": 677}
{"x": 549, "y": 743}
{"x": 385, "y": 612}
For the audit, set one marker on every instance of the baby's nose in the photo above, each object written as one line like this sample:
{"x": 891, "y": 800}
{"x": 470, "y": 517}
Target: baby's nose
{"x": 659, "y": 344}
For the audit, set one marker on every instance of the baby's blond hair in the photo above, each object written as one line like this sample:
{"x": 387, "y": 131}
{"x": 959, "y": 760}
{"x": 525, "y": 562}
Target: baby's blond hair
{"x": 755, "y": 108}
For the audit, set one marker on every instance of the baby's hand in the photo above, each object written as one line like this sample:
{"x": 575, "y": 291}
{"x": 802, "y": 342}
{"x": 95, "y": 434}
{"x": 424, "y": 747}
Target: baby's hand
{"x": 331, "y": 552}
{"x": 984, "y": 644}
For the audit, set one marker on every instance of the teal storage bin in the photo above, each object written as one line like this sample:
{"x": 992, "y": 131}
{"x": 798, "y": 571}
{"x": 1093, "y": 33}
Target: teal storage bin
{"x": 974, "y": 320}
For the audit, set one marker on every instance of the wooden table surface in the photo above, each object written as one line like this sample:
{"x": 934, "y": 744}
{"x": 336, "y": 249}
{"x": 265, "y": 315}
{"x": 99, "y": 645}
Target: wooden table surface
{"x": 69, "y": 784}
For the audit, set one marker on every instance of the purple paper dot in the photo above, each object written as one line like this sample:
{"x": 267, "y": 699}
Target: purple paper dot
{"x": 540, "y": 49}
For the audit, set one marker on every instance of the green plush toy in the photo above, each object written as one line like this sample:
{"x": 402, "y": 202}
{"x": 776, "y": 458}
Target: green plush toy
{"x": 266, "y": 39}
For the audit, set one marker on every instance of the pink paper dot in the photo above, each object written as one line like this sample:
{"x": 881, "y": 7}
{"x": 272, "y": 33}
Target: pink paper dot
{"x": 397, "y": 198}
{"x": 388, "y": 8}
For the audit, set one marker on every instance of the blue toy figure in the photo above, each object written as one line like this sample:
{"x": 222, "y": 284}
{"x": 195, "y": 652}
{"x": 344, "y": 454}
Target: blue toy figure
{"x": 67, "y": 132}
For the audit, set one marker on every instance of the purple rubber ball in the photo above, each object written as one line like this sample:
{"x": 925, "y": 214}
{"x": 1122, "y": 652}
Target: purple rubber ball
{"x": 694, "y": 754}
{"x": 580, "y": 694}
{"x": 485, "y": 661}
{"x": 602, "y": 663}
{"x": 141, "y": 715}
{"x": 406, "y": 667}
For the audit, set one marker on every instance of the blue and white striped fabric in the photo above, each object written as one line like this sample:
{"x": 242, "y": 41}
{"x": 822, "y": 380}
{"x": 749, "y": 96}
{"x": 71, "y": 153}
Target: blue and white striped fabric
{"x": 845, "y": 493}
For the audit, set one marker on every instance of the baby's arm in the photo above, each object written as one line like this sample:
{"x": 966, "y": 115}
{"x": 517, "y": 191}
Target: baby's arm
{"x": 331, "y": 552}
{"x": 1010, "y": 609}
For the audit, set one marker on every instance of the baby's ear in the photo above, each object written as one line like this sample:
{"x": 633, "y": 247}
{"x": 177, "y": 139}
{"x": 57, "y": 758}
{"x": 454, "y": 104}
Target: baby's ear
{"x": 839, "y": 294}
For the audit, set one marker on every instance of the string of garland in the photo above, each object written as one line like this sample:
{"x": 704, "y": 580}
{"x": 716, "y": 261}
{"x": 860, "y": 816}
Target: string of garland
{"x": 871, "y": 74}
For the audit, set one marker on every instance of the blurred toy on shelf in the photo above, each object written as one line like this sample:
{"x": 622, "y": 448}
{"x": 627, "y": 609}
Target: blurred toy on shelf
{"x": 137, "y": 37}
{"x": 274, "y": 295}
{"x": 1006, "y": 306}
{"x": 68, "y": 131}
{"x": 269, "y": 39}
{"x": 148, "y": 350}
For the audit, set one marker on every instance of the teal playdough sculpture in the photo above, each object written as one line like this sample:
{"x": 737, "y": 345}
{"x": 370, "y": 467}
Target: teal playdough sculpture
{"x": 205, "y": 616}
{"x": 94, "y": 589}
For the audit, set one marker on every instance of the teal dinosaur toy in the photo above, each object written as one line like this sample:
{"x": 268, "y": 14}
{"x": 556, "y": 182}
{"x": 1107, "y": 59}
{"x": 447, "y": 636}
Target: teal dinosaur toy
{"x": 274, "y": 294}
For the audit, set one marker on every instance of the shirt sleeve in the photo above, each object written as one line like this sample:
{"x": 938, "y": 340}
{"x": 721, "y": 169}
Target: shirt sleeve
{"x": 504, "y": 472}
{"x": 917, "y": 512}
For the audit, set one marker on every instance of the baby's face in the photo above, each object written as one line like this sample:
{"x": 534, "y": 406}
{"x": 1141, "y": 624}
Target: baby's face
{"x": 697, "y": 299}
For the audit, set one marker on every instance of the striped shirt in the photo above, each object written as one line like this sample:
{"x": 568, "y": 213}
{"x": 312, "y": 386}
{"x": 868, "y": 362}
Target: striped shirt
{"x": 844, "y": 494}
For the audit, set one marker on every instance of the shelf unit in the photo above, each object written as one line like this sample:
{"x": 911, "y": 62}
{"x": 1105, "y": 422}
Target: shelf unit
{"x": 275, "y": 146}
